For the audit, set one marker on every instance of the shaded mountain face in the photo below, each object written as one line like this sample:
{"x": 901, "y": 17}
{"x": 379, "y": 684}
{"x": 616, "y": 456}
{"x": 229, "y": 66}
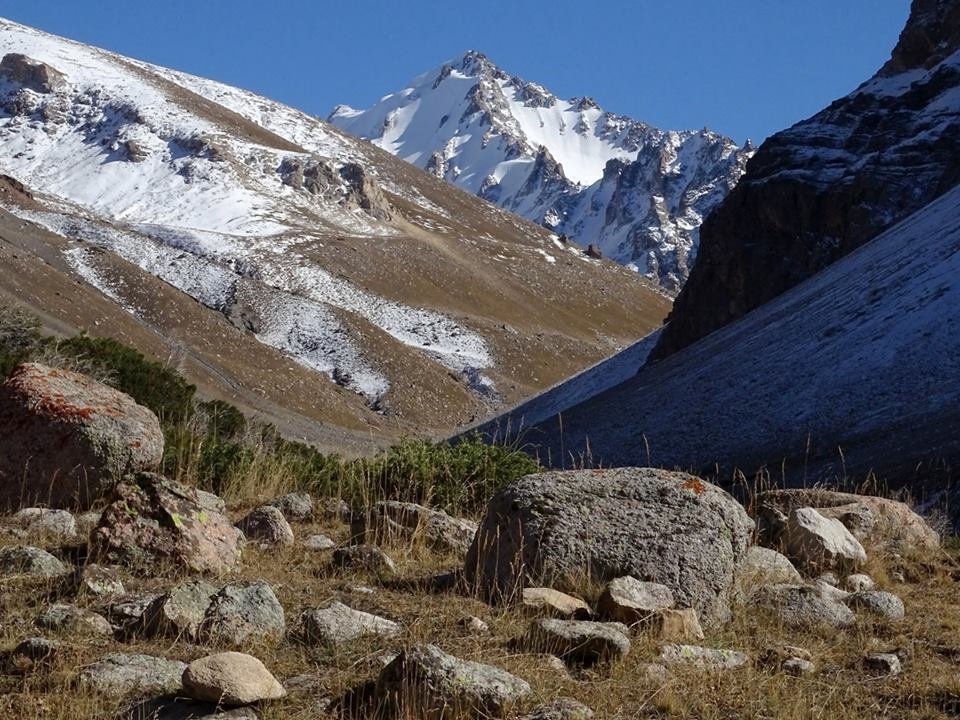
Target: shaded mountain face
{"x": 827, "y": 185}
{"x": 637, "y": 193}
{"x": 285, "y": 266}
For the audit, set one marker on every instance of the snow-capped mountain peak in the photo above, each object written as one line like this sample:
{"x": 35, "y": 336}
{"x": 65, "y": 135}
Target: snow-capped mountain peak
{"x": 516, "y": 144}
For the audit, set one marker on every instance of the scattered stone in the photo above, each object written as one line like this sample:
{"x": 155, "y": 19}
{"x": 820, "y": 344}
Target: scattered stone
{"x": 364, "y": 557}
{"x": 546, "y": 601}
{"x": 71, "y": 619}
{"x": 803, "y": 607}
{"x": 99, "y": 582}
{"x": 879, "y": 603}
{"x": 798, "y": 667}
{"x": 181, "y": 611}
{"x": 391, "y": 519}
{"x": 75, "y": 437}
{"x": 859, "y": 582}
{"x": 473, "y": 625}
{"x": 296, "y": 506}
{"x": 652, "y": 673}
{"x": 319, "y": 542}
{"x": 763, "y": 566}
{"x": 830, "y": 592}
{"x": 817, "y": 543}
{"x": 554, "y": 528}
{"x": 46, "y": 521}
{"x": 30, "y": 561}
{"x": 580, "y": 642}
{"x": 629, "y": 600}
{"x": 242, "y": 613}
{"x": 230, "y": 678}
{"x": 424, "y": 681}
{"x": 337, "y": 624}
{"x": 119, "y": 675}
{"x": 560, "y": 709}
{"x": 708, "y": 658}
{"x": 268, "y": 526}
{"x": 883, "y": 664}
{"x": 676, "y": 626}
{"x": 32, "y": 653}
{"x": 152, "y": 520}
{"x": 126, "y": 613}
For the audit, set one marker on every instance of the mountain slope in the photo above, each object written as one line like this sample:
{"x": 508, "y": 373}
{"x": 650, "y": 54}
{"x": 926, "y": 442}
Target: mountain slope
{"x": 830, "y": 183}
{"x": 285, "y": 265}
{"x": 856, "y": 370}
{"x": 636, "y": 192}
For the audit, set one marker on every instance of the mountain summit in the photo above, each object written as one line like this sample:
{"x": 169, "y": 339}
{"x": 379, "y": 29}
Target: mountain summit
{"x": 637, "y": 193}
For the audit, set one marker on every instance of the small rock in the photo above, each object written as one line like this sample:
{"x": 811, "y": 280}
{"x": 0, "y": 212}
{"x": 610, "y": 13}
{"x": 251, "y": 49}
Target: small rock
{"x": 676, "y": 626}
{"x": 704, "y": 657}
{"x": 32, "y": 653}
{"x": 31, "y": 562}
{"x": 579, "y": 641}
{"x": 799, "y": 606}
{"x": 268, "y": 526}
{"x": 547, "y": 601}
{"x": 100, "y": 582}
{"x": 319, "y": 542}
{"x": 71, "y": 619}
{"x": 883, "y": 664}
{"x": 44, "y": 521}
{"x": 629, "y": 600}
{"x": 241, "y": 613}
{"x": 337, "y": 624}
{"x": 181, "y": 611}
{"x": 424, "y": 681}
{"x": 473, "y": 625}
{"x": 295, "y": 506}
{"x": 230, "y": 678}
{"x": 830, "y": 592}
{"x": 126, "y": 613}
{"x": 364, "y": 557}
{"x": 858, "y": 582}
{"x": 118, "y": 675}
{"x": 763, "y": 566}
{"x": 819, "y": 543}
{"x": 798, "y": 667}
{"x": 360, "y": 589}
{"x": 560, "y": 709}
{"x": 880, "y": 603}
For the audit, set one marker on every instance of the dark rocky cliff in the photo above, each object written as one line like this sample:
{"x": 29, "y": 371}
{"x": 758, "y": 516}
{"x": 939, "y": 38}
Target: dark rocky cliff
{"x": 824, "y": 187}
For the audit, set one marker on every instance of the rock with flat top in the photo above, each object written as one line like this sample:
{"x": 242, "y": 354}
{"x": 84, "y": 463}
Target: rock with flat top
{"x": 120, "y": 675}
{"x": 629, "y": 600}
{"x": 707, "y": 658}
{"x": 337, "y": 624}
{"x": 578, "y": 641}
{"x": 547, "y": 601}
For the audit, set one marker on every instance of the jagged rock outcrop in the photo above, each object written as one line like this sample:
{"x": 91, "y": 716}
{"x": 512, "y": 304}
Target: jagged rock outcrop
{"x": 75, "y": 437}
{"x": 637, "y": 192}
{"x": 31, "y": 74}
{"x": 817, "y": 191}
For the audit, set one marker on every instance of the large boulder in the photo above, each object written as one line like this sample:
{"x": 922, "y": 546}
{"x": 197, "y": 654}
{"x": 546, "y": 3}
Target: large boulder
{"x": 876, "y": 522}
{"x": 425, "y": 682}
{"x": 75, "y": 438}
{"x": 32, "y": 74}
{"x": 558, "y": 528}
{"x": 152, "y": 521}
{"x": 819, "y": 543}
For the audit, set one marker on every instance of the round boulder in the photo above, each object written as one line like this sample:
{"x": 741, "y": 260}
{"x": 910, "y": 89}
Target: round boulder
{"x": 230, "y": 678}
{"x": 557, "y": 528}
{"x": 75, "y": 437}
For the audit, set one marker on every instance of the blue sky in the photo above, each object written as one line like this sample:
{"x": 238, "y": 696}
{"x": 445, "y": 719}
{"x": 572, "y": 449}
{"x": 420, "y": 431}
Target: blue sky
{"x": 744, "y": 67}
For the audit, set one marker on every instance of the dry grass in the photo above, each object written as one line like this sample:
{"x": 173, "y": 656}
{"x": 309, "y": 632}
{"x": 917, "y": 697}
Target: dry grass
{"x": 929, "y": 638}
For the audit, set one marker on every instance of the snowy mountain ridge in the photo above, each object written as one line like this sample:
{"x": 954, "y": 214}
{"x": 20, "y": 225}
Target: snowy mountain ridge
{"x": 634, "y": 191}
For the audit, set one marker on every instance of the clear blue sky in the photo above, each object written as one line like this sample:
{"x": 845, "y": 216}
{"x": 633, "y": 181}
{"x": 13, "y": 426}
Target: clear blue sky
{"x": 744, "y": 67}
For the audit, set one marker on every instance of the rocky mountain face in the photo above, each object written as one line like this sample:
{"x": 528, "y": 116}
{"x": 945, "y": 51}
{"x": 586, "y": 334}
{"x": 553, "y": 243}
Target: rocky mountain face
{"x": 635, "y": 192}
{"x": 283, "y": 265}
{"x": 817, "y": 191}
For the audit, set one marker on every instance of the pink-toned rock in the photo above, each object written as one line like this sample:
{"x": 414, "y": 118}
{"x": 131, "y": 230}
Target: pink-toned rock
{"x": 152, "y": 521}
{"x": 75, "y": 438}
